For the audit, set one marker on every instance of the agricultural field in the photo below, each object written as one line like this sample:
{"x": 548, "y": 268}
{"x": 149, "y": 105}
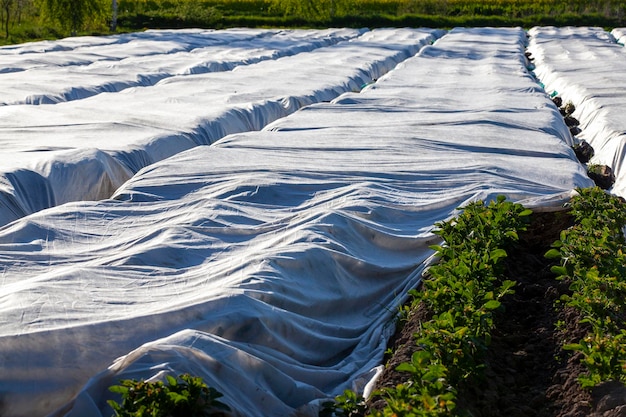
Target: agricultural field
{"x": 254, "y": 206}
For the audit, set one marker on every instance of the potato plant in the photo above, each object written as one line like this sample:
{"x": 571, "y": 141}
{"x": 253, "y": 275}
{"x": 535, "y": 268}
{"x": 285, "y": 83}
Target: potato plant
{"x": 185, "y": 396}
{"x": 592, "y": 257}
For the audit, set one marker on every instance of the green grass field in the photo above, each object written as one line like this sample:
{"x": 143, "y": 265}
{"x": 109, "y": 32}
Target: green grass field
{"x": 27, "y": 23}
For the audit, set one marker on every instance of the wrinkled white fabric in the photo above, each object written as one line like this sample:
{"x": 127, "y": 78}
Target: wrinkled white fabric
{"x": 272, "y": 263}
{"x": 113, "y": 135}
{"x": 586, "y": 66}
{"x": 94, "y": 66}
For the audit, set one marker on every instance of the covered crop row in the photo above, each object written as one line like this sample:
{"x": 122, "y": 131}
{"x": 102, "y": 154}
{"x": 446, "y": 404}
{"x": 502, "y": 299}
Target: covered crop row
{"x": 271, "y": 263}
{"x": 585, "y": 66}
{"x": 76, "y": 68}
{"x": 85, "y": 149}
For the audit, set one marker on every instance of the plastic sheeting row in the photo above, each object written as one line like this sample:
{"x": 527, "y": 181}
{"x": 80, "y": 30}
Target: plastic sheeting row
{"x": 586, "y": 66}
{"x": 271, "y": 263}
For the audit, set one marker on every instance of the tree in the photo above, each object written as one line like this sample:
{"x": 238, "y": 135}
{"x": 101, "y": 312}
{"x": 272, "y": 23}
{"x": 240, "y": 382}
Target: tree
{"x": 74, "y": 15}
{"x": 114, "y": 16}
{"x": 6, "y": 6}
{"x": 22, "y": 6}
{"x": 11, "y": 13}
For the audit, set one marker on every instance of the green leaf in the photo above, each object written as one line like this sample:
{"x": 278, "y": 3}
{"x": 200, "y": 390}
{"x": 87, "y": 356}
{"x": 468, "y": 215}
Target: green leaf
{"x": 506, "y": 286}
{"x": 115, "y": 406}
{"x": 461, "y": 331}
{"x": 171, "y": 380}
{"x": 553, "y": 254}
{"x": 497, "y": 254}
{"x": 437, "y": 248}
{"x": 118, "y": 389}
{"x": 177, "y": 398}
{"x": 573, "y": 346}
{"x": 511, "y": 234}
{"x": 559, "y": 270}
{"x": 492, "y": 304}
{"x": 406, "y": 367}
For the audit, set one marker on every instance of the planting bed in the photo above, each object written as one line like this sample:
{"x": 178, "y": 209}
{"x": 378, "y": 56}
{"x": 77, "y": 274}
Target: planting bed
{"x": 527, "y": 373}
{"x": 262, "y": 248}
{"x": 529, "y": 369}
{"x": 584, "y": 66}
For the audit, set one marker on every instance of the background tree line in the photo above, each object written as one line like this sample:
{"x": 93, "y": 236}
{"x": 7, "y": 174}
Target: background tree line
{"x": 12, "y": 11}
{"x": 70, "y": 15}
{"x": 25, "y": 20}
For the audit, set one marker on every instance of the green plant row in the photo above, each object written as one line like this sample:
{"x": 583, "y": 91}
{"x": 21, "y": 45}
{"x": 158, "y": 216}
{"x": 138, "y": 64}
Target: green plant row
{"x": 185, "y": 396}
{"x": 462, "y": 291}
{"x": 592, "y": 257}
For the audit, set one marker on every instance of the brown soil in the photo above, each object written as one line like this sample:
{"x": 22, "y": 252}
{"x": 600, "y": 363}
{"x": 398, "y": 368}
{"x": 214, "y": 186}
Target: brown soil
{"x": 527, "y": 373}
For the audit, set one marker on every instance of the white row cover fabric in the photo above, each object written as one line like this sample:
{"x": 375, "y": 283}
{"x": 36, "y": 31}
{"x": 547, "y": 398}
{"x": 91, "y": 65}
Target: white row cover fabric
{"x": 85, "y": 149}
{"x": 586, "y": 66}
{"x": 142, "y": 59}
{"x": 271, "y": 263}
